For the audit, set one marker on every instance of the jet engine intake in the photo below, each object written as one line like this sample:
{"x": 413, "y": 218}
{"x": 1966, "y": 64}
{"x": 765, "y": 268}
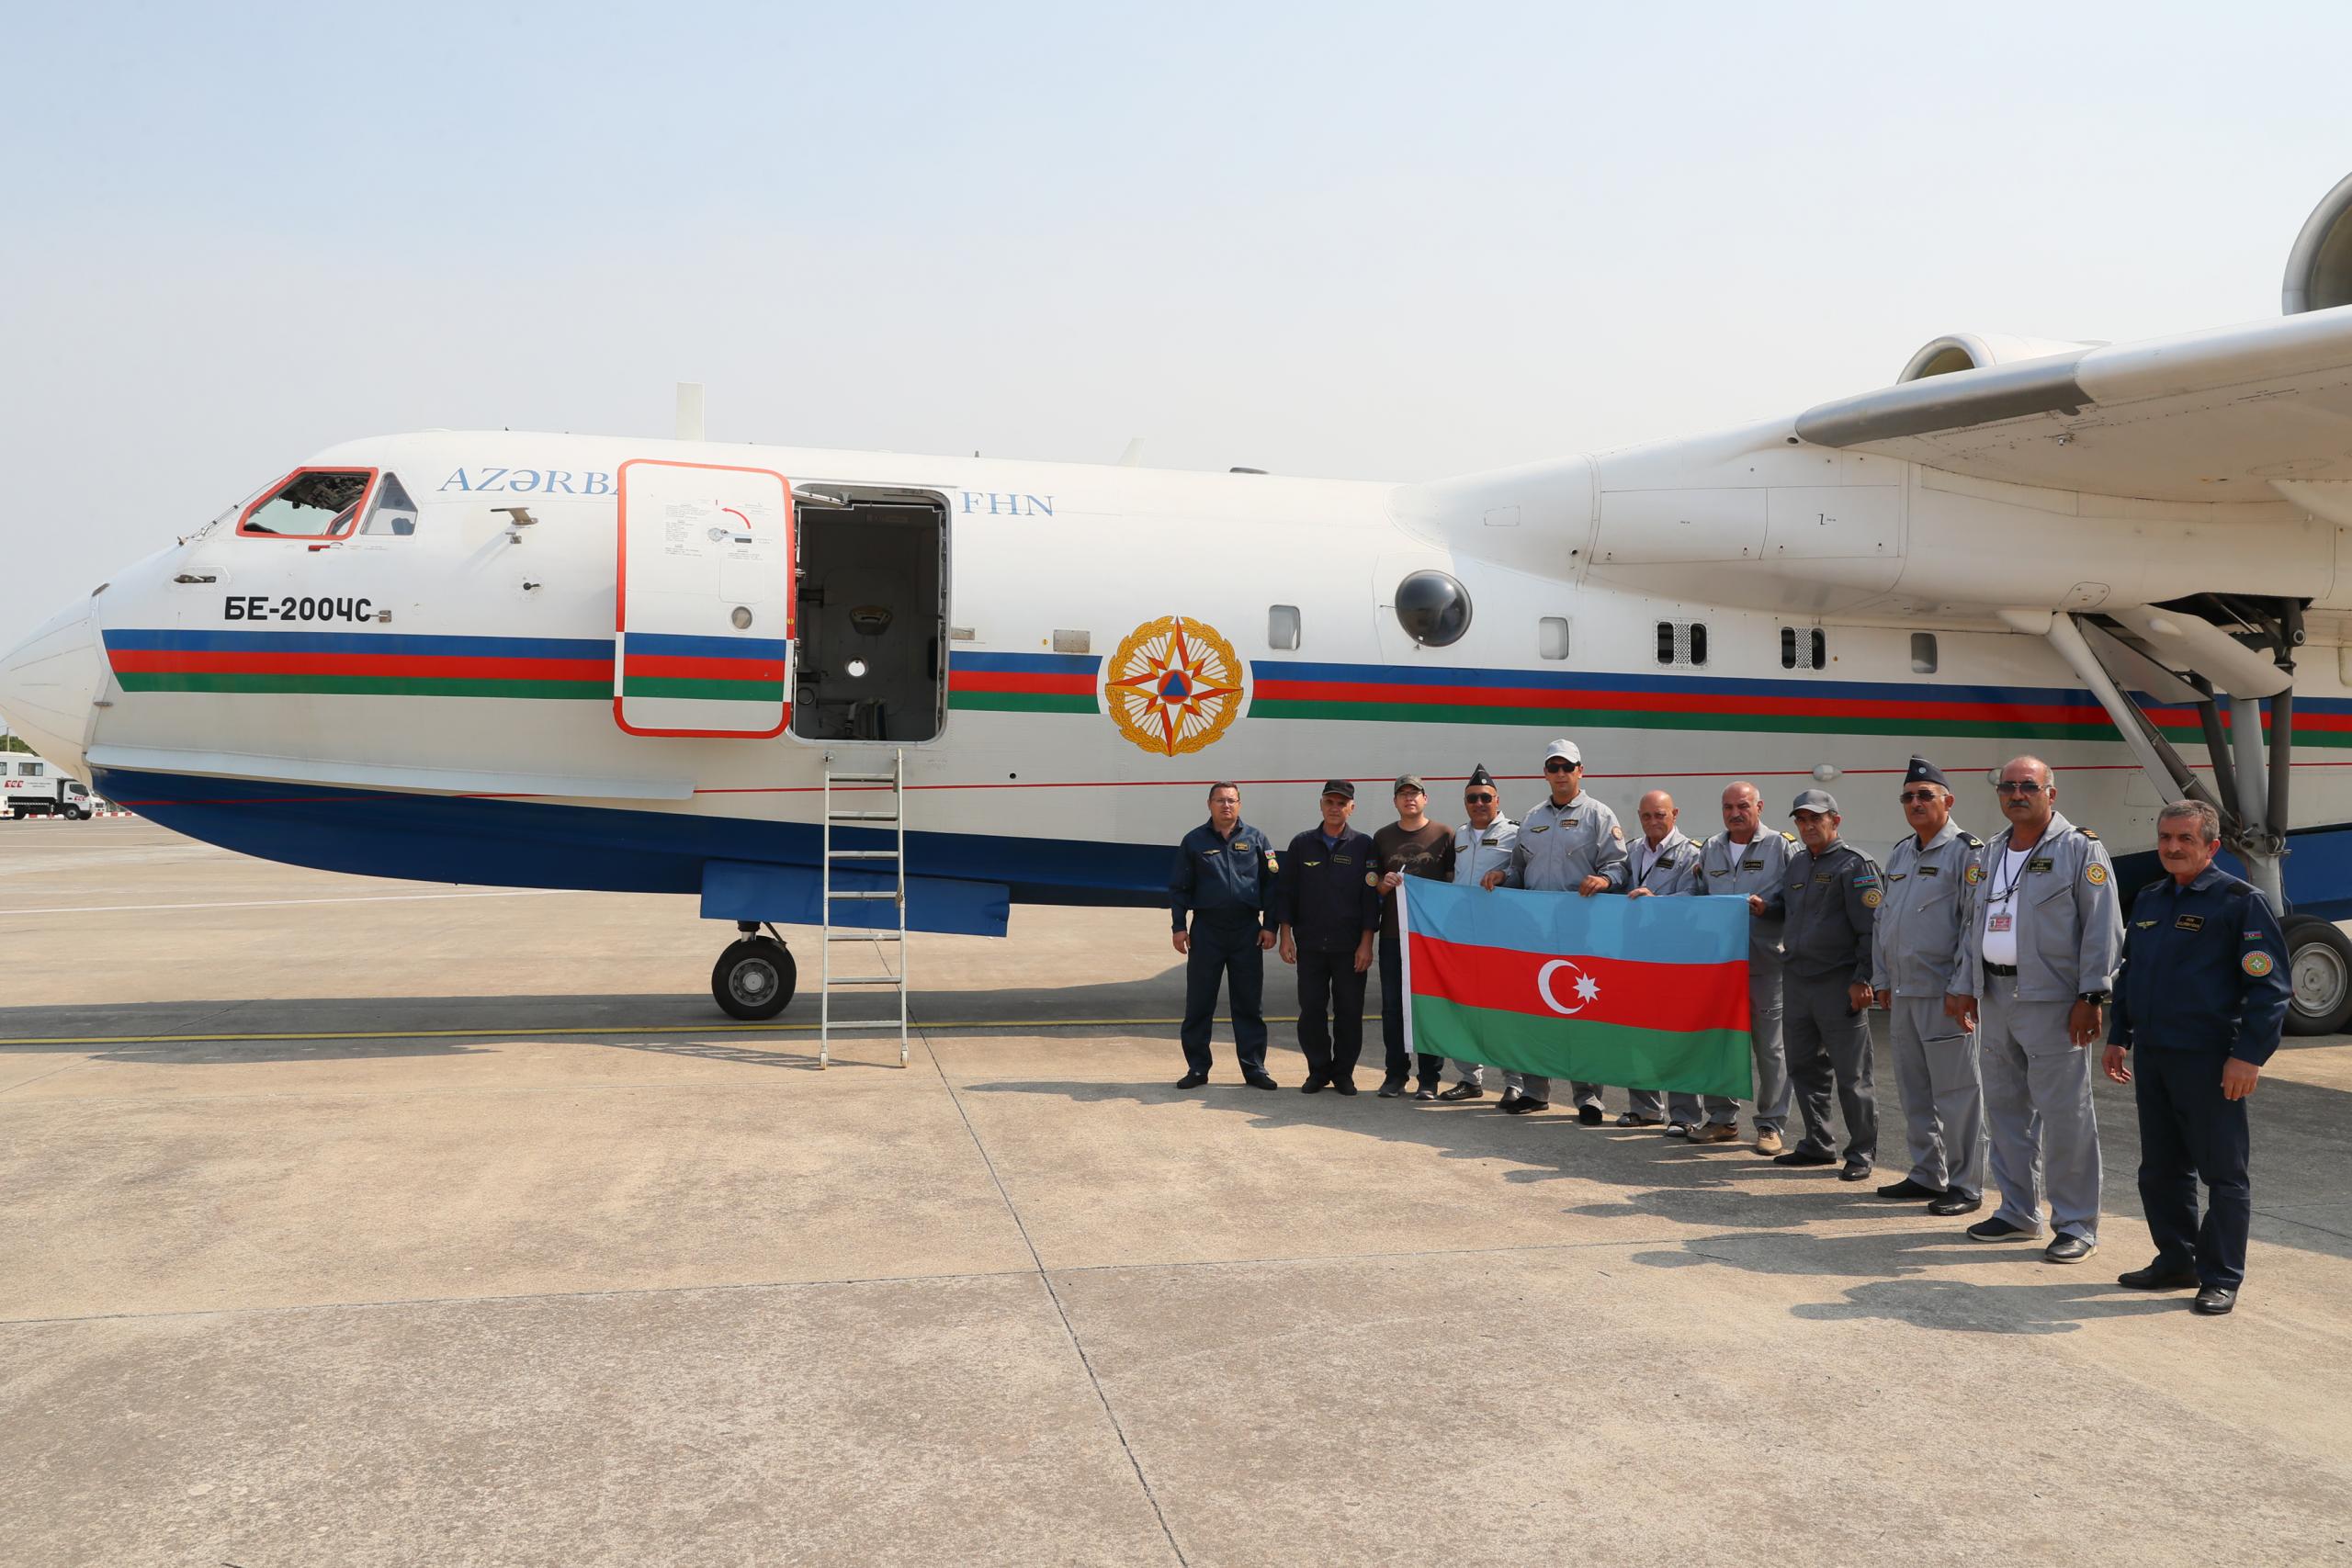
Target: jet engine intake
{"x": 1974, "y": 351}
{"x": 2319, "y": 269}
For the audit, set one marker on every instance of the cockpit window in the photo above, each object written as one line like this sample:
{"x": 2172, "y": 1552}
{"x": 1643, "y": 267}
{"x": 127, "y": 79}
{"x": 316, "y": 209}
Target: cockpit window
{"x": 393, "y": 512}
{"x": 311, "y": 503}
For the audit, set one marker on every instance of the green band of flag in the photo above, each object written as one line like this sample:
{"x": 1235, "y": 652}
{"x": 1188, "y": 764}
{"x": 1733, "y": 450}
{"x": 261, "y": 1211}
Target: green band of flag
{"x": 1704, "y": 1061}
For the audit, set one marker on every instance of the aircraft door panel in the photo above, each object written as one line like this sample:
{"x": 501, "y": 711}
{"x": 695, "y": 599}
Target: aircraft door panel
{"x": 703, "y": 635}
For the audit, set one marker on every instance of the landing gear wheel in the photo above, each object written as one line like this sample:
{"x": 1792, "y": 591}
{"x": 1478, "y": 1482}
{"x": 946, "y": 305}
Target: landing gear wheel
{"x": 2319, "y": 976}
{"x": 754, "y": 978}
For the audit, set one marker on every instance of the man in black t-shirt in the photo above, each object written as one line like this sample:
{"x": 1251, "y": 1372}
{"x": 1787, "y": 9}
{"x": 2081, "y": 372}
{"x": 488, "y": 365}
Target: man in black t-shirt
{"x": 1410, "y": 846}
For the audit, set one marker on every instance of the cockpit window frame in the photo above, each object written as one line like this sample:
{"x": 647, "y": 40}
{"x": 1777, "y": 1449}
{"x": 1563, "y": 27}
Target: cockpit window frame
{"x": 349, "y": 529}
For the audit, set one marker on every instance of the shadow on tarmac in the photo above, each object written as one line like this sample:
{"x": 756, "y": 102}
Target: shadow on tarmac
{"x": 255, "y": 1029}
{"x": 1753, "y": 1211}
{"x": 1758, "y": 1212}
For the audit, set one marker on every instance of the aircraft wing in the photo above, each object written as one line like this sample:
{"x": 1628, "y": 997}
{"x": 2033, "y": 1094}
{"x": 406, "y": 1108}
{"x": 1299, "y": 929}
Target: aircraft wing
{"x": 2243, "y": 413}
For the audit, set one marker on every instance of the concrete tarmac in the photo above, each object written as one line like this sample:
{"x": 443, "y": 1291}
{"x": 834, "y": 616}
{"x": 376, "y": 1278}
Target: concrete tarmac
{"x": 363, "y": 1222}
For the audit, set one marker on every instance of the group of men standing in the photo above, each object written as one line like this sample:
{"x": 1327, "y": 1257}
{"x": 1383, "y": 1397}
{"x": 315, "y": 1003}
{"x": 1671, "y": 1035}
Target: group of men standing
{"x": 1996, "y": 962}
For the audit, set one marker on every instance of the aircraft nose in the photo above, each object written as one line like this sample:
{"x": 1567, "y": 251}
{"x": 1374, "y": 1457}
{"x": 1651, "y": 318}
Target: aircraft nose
{"x": 48, "y": 683}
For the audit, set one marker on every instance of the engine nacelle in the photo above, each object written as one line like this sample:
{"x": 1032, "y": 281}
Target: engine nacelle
{"x": 1974, "y": 351}
{"x": 2319, "y": 269}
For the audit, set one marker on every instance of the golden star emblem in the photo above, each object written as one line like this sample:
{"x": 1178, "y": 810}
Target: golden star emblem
{"x": 1174, "y": 686}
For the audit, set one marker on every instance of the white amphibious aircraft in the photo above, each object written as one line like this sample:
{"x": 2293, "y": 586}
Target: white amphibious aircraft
{"x": 565, "y": 661}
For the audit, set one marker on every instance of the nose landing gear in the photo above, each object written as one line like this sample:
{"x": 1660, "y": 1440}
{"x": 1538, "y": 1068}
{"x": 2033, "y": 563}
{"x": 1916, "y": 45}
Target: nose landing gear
{"x": 754, "y": 978}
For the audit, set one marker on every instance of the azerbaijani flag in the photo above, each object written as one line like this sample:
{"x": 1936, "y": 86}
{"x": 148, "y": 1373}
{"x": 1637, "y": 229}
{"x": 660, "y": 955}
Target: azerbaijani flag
{"x": 1645, "y": 993}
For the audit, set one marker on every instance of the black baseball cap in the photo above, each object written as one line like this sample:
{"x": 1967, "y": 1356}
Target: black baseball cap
{"x": 1344, "y": 787}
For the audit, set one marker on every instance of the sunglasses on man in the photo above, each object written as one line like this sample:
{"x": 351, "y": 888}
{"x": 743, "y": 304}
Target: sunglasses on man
{"x": 1479, "y": 799}
{"x": 1920, "y": 796}
{"x": 1557, "y": 766}
{"x": 2019, "y": 786}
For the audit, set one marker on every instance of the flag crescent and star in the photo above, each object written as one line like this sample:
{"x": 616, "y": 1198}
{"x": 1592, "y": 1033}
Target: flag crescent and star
{"x": 1586, "y": 988}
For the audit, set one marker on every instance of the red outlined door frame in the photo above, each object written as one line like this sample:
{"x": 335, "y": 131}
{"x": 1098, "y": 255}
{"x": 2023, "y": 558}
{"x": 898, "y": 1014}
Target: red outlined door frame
{"x": 620, "y": 598}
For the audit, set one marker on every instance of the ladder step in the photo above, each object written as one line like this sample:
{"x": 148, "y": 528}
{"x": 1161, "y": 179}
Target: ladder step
{"x": 863, "y": 980}
{"x": 861, "y": 816}
{"x": 860, "y": 779}
{"x": 863, "y": 854}
{"x": 878, "y": 892}
{"x": 864, "y": 936}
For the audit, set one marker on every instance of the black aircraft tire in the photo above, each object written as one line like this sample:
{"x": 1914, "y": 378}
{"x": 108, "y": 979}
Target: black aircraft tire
{"x": 754, "y": 978}
{"x": 2319, "y": 975}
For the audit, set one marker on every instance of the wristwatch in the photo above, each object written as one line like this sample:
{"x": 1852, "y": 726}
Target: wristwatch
{"x": 2101, "y": 997}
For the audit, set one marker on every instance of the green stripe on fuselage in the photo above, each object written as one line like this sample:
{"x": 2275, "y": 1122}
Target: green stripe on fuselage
{"x": 706, "y": 691}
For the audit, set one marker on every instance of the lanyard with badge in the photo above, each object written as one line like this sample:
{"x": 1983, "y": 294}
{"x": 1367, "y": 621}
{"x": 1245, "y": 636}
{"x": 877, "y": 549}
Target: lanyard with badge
{"x": 2001, "y": 899}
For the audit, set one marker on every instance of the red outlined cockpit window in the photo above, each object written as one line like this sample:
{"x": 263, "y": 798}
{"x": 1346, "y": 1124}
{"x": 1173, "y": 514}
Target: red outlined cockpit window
{"x": 309, "y": 503}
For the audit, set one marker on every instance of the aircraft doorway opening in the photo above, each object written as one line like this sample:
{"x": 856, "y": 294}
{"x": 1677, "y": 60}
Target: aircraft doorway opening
{"x": 872, "y": 659}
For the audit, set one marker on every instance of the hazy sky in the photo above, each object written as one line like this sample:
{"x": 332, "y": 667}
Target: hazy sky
{"x": 1356, "y": 240}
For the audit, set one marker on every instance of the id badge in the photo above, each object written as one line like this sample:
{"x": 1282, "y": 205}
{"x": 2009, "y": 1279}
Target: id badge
{"x": 2000, "y": 922}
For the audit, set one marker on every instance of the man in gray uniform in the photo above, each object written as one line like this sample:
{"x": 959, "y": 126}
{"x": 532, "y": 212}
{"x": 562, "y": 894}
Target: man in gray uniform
{"x": 1915, "y": 945}
{"x": 1745, "y": 861}
{"x": 1832, "y": 894}
{"x": 1571, "y": 843}
{"x": 2042, "y": 936}
{"x": 1665, "y": 864}
{"x": 1481, "y": 845}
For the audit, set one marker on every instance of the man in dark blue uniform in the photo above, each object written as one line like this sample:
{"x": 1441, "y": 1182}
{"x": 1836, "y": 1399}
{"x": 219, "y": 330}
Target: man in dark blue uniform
{"x": 2199, "y": 1001}
{"x": 1224, "y": 878}
{"x": 1328, "y": 905}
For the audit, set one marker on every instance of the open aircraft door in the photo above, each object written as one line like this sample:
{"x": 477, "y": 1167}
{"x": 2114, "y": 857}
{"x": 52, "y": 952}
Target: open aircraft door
{"x": 704, "y": 601}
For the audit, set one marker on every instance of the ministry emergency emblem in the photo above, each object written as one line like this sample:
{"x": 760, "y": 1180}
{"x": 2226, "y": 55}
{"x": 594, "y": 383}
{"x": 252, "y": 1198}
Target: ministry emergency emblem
{"x": 1174, "y": 686}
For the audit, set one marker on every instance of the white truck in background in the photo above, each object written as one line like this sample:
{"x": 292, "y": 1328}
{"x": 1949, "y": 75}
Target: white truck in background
{"x": 30, "y": 787}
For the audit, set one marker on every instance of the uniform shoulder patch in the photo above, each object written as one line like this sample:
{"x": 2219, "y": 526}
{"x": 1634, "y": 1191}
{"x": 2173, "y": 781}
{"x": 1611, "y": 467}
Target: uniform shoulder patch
{"x": 2257, "y": 963}
{"x": 1972, "y": 840}
{"x": 1789, "y": 836}
{"x": 2096, "y": 874}
{"x": 1973, "y": 874}
{"x": 2086, "y": 833}
{"x": 1872, "y": 900}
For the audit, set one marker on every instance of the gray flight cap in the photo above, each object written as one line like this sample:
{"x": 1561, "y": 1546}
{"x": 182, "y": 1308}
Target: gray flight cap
{"x": 1819, "y": 800}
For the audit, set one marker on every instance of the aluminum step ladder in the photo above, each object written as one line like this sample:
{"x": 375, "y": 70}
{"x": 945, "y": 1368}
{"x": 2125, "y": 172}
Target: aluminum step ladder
{"x": 859, "y": 787}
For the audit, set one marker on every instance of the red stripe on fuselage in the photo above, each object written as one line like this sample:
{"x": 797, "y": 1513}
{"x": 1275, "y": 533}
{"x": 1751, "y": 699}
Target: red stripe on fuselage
{"x": 177, "y": 661}
{"x": 1675, "y": 702}
{"x": 1041, "y": 684}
